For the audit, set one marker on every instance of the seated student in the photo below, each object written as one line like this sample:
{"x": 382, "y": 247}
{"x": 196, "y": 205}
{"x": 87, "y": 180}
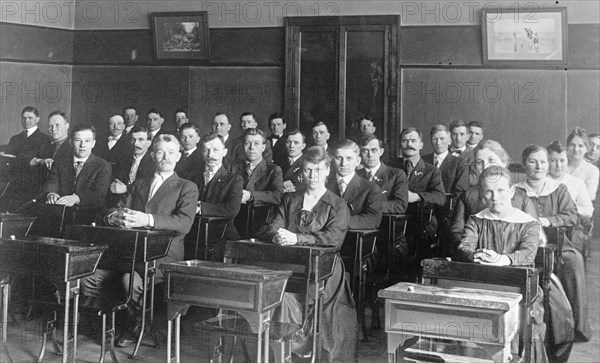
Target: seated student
{"x": 191, "y": 157}
{"x": 577, "y": 146}
{"x": 363, "y": 197}
{"x": 116, "y": 145}
{"x": 220, "y": 191}
{"x": 487, "y": 153}
{"x": 262, "y": 179}
{"x": 424, "y": 186}
{"x": 161, "y": 201}
{"x": 312, "y": 216}
{"x": 277, "y": 139}
{"x": 459, "y": 133}
{"x": 392, "y": 182}
{"x": 137, "y": 164}
{"x": 502, "y": 235}
{"x": 292, "y": 168}
{"x": 247, "y": 121}
{"x": 82, "y": 179}
{"x": 555, "y": 208}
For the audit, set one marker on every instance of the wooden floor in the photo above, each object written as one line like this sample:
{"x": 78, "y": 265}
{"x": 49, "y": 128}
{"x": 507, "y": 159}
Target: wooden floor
{"x": 24, "y": 340}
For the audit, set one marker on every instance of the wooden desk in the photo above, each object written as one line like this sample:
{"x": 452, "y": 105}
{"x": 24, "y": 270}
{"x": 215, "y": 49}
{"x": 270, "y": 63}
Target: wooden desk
{"x": 487, "y": 318}
{"x": 15, "y": 225}
{"x": 251, "y": 291}
{"x": 311, "y": 266}
{"x": 250, "y": 216}
{"x": 59, "y": 261}
{"x": 392, "y": 229}
{"x": 53, "y": 219}
{"x": 148, "y": 245}
{"x": 203, "y": 229}
{"x": 358, "y": 246}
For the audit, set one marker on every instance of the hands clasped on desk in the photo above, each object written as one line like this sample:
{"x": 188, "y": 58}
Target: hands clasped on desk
{"x": 129, "y": 218}
{"x": 283, "y": 237}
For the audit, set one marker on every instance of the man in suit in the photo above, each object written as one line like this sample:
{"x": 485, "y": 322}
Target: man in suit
{"x": 425, "y": 186}
{"x": 321, "y": 135}
{"x": 220, "y": 191}
{"x": 262, "y": 179}
{"x": 192, "y": 157}
{"x": 130, "y": 116}
{"x": 475, "y": 134}
{"x": 247, "y": 121}
{"x": 116, "y": 146}
{"x": 59, "y": 147}
{"x": 154, "y": 121}
{"x": 180, "y": 118}
{"x": 455, "y": 174}
{"x": 137, "y": 165}
{"x": 459, "y": 133}
{"x": 363, "y": 197}
{"x": 292, "y": 168}
{"x": 161, "y": 201}
{"x": 392, "y": 182}
{"x": 277, "y": 139}
{"x": 83, "y": 179}
{"x": 221, "y": 126}
{"x": 22, "y": 152}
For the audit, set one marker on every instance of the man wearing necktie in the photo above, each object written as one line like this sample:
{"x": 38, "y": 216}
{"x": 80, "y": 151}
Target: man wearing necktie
{"x": 191, "y": 158}
{"x": 277, "y": 139}
{"x": 392, "y": 182}
{"x": 220, "y": 191}
{"x": 292, "y": 168}
{"x": 363, "y": 198}
{"x": 163, "y": 201}
{"x": 262, "y": 179}
{"x": 83, "y": 179}
{"x": 425, "y": 190}
{"x": 459, "y": 133}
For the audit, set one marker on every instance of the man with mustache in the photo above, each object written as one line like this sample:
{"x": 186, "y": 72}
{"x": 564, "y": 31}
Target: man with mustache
{"x": 114, "y": 147}
{"x": 83, "y": 179}
{"x": 425, "y": 186}
{"x": 220, "y": 191}
{"x": 160, "y": 201}
{"x": 136, "y": 165}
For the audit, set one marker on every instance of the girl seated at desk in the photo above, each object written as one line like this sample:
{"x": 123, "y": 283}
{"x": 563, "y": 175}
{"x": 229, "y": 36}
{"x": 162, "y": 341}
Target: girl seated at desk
{"x": 312, "y": 216}
{"x": 503, "y": 235}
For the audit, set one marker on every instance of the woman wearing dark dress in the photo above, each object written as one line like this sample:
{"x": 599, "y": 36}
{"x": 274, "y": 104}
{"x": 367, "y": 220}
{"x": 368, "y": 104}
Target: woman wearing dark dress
{"x": 502, "y": 235}
{"x": 316, "y": 216}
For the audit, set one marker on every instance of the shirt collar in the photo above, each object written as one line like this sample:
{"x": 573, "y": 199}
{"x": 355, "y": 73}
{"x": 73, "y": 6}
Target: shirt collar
{"x": 549, "y": 186}
{"x": 154, "y": 132}
{"x": 225, "y": 138}
{"x": 136, "y": 157}
{"x": 215, "y": 169}
{"x": 440, "y": 157}
{"x": 346, "y": 179}
{"x": 374, "y": 170}
{"x": 254, "y": 164}
{"x": 163, "y": 177}
{"x": 461, "y": 149}
{"x": 31, "y": 130}
{"x": 76, "y": 159}
{"x": 191, "y": 151}
{"x": 115, "y": 138}
{"x": 60, "y": 142}
{"x": 517, "y": 216}
{"x": 293, "y": 159}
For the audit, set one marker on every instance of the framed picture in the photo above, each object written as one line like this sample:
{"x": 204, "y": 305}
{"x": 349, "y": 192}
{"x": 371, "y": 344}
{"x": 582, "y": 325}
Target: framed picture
{"x": 524, "y": 36}
{"x": 181, "y": 36}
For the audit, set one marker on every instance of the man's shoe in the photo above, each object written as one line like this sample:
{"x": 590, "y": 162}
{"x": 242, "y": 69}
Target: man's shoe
{"x": 129, "y": 338}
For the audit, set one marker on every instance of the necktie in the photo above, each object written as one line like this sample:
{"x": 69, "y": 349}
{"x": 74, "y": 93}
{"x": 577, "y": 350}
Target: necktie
{"x": 56, "y": 148}
{"x": 408, "y": 167}
{"x": 185, "y": 155}
{"x": 370, "y": 175}
{"x": 456, "y": 152}
{"x": 133, "y": 171}
{"x": 208, "y": 175}
{"x": 249, "y": 170}
{"x": 78, "y": 168}
{"x": 342, "y": 186}
{"x": 437, "y": 162}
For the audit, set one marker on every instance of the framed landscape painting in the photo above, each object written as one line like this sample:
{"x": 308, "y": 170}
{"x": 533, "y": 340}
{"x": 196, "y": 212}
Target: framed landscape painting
{"x": 181, "y": 36}
{"x": 529, "y": 36}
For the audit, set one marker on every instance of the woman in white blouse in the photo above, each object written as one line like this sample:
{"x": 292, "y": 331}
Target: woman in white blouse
{"x": 577, "y": 146}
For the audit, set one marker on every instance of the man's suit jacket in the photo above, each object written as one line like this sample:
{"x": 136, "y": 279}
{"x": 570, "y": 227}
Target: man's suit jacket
{"x": 119, "y": 151}
{"x": 145, "y": 169}
{"x": 293, "y": 172}
{"x": 265, "y": 183}
{"x": 394, "y": 188}
{"x": 455, "y": 173}
{"x": 26, "y": 148}
{"x": 468, "y": 156}
{"x": 221, "y": 197}
{"x": 425, "y": 180}
{"x": 279, "y": 151}
{"x": 364, "y": 200}
{"x": 91, "y": 186}
{"x": 173, "y": 208}
{"x": 186, "y": 168}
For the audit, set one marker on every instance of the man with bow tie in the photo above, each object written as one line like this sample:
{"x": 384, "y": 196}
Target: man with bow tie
{"x": 191, "y": 157}
{"x": 116, "y": 146}
{"x": 83, "y": 179}
{"x": 277, "y": 139}
{"x": 160, "y": 201}
{"x": 459, "y": 133}
{"x": 262, "y": 179}
{"x": 292, "y": 166}
{"x": 392, "y": 182}
{"x": 363, "y": 197}
{"x": 220, "y": 191}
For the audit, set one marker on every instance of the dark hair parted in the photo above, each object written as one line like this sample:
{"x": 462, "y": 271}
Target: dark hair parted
{"x": 316, "y": 154}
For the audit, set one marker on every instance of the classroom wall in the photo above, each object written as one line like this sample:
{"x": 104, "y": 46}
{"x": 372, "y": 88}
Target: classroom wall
{"x": 111, "y": 64}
